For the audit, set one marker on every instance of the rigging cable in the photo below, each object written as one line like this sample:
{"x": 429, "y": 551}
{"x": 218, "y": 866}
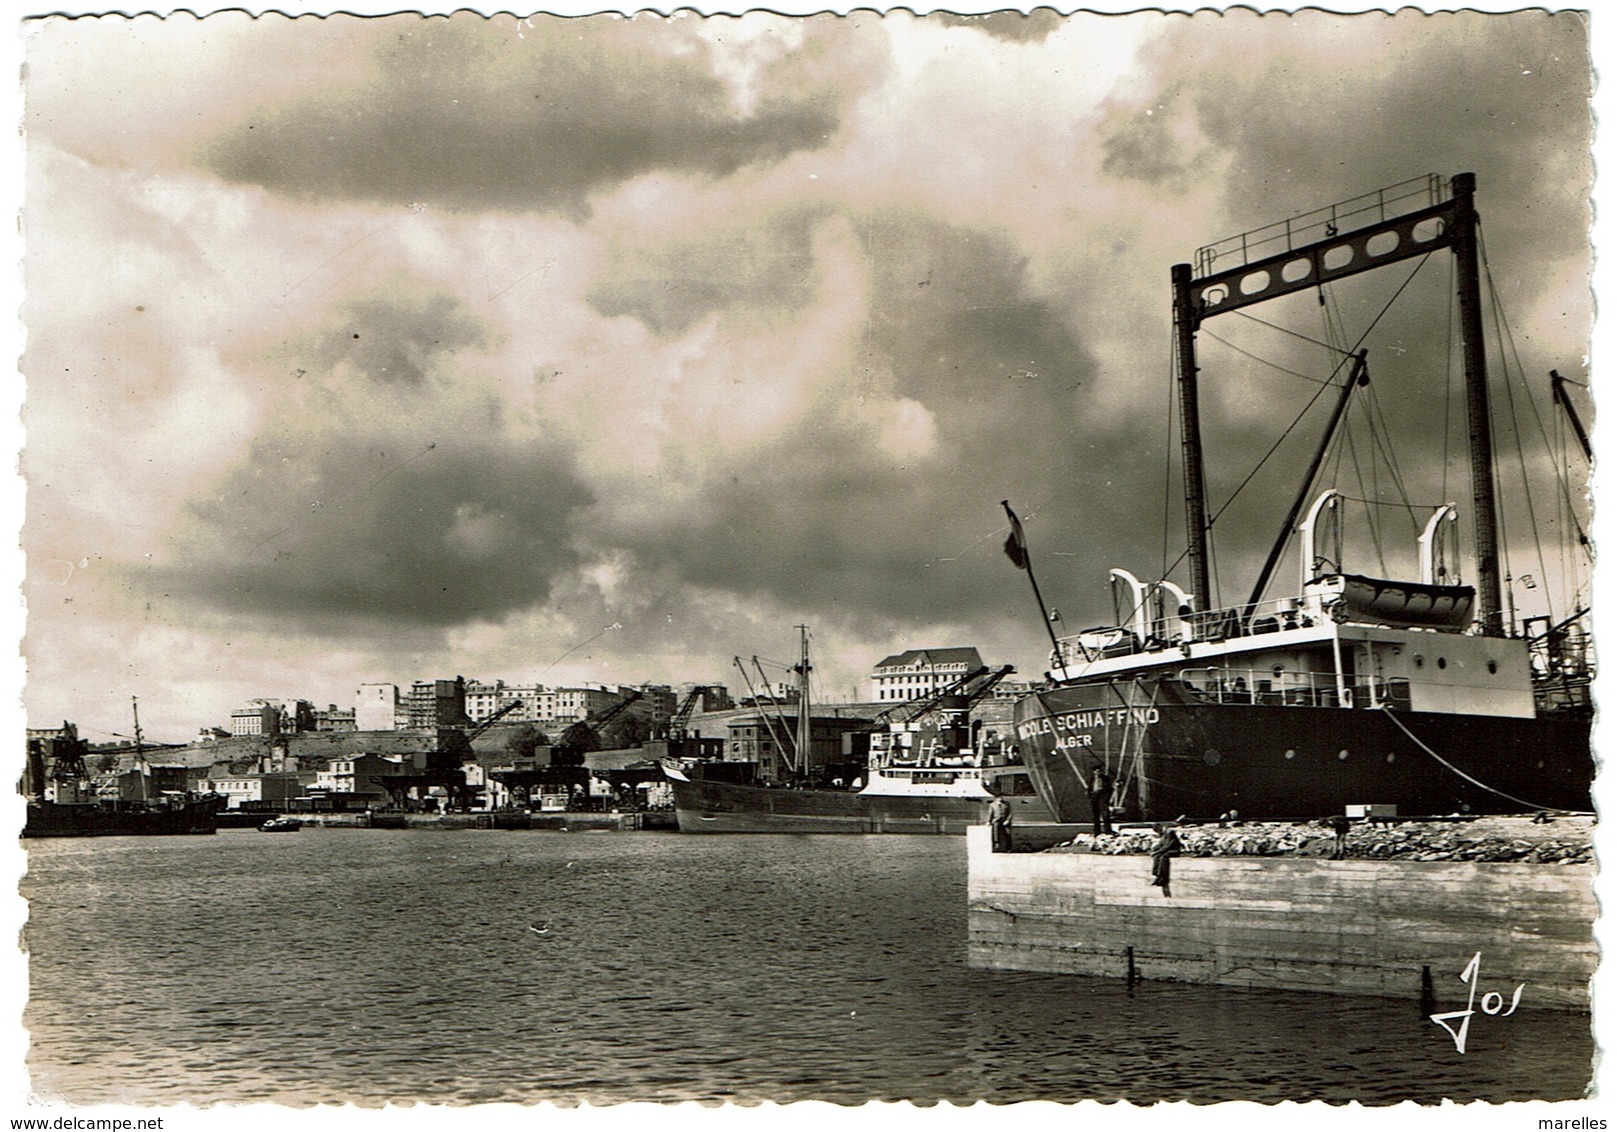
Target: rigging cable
{"x": 1272, "y": 365}
{"x": 1331, "y": 346}
{"x": 1507, "y": 349}
{"x": 1333, "y": 316}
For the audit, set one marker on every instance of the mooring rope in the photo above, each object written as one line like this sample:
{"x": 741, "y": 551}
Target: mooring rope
{"x": 1467, "y": 777}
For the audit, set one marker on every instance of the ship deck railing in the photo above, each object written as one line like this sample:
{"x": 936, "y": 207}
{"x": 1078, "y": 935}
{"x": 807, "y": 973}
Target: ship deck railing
{"x": 1320, "y": 224}
{"x": 1227, "y": 684}
{"x": 1170, "y": 632}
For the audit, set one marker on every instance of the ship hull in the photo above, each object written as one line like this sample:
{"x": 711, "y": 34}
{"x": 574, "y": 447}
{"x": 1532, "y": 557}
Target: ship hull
{"x": 1179, "y": 757}
{"x": 723, "y": 807}
{"x": 51, "y": 819}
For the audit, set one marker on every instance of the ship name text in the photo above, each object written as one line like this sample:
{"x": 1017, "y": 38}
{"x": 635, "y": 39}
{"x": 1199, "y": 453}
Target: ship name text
{"x": 1074, "y": 728}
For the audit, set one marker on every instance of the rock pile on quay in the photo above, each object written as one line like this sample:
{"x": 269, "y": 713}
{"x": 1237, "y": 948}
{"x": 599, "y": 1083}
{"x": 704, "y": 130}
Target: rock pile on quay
{"x": 1562, "y": 840}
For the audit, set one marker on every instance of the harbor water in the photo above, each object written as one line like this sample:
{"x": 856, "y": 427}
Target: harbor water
{"x": 458, "y": 968}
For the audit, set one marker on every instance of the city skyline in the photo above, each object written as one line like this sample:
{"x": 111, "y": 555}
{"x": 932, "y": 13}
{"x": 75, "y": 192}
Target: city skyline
{"x": 445, "y": 347}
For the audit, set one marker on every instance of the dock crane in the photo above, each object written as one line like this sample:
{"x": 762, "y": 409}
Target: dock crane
{"x": 445, "y": 766}
{"x": 682, "y": 715}
{"x": 927, "y": 701}
{"x": 504, "y": 710}
{"x": 935, "y": 725}
{"x": 585, "y": 735}
{"x": 562, "y": 764}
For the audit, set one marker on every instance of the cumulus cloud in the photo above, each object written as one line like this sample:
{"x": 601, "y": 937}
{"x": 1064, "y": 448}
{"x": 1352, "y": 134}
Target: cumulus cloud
{"x": 439, "y": 345}
{"x": 536, "y": 115}
{"x": 395, "y": 491}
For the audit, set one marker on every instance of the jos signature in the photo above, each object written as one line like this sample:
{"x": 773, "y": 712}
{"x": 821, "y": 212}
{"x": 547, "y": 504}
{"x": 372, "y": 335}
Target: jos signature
{"x": 1493, "y": 1003}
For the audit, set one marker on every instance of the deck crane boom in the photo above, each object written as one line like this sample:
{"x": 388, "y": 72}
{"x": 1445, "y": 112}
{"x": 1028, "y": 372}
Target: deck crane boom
{"x": 1558, "y": 386}
{"x": 682, "y": 715}
{"x": 504, "y": 710}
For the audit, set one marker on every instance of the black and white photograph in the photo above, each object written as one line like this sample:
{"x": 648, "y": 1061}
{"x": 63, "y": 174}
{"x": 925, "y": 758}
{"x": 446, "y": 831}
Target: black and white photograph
{"x": 883, "y": 565}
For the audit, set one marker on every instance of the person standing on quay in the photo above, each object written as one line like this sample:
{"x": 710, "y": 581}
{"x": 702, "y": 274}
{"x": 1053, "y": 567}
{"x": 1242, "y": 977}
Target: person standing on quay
{"x": 999, "y": 825}
{"x": 1100, "y": 800}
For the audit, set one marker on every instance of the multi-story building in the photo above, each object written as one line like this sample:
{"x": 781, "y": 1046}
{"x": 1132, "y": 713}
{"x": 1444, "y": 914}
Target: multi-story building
{"x": 355, "y": 775}
{"x": 484, "y": 699}
{"x": 334, "y": 718}
{"x": 297, "y": 717}
{"x": 272, "y": 716}
{"x": 918, "y": 672}
{"x": 376, "y": 707}
{"x": 560, "y": 707}
{"x": 257, "y": 717}
{"x": 273, "y": 789}
{"x": 438, "y": 703}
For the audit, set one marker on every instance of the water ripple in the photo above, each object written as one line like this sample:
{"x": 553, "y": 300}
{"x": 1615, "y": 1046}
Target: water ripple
{"x": 391, "y": 966}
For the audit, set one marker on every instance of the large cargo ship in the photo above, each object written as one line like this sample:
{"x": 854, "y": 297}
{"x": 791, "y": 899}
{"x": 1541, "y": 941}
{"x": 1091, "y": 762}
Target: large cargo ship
{"x": 924, "y": 773}
{"x": 1350, "y": 693}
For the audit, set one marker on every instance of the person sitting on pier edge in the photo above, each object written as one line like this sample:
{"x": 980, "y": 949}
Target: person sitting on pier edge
{"x": 1166, "y": 848}
{"x": 999, "y": 825}
{"x": 1100, "y": 800}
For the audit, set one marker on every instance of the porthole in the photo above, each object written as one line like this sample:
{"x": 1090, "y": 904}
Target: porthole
{"x": 1442, "y": 662}
{"x": 1278, "y": 670}
{"x": 1391, "y": 756}
{"x": 1493, "y": 667}
{"x": 1420, "y": 661}
{"x": 1291, "y": 754}
{"x": 1342, "y": 754}
{"x": 1210, "y": 757}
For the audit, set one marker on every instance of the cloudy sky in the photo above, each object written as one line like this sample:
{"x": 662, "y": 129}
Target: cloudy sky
{"x": 608, "y": 349}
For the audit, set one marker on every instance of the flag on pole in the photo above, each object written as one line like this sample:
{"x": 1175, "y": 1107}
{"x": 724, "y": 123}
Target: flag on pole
{"x": 1016, "y": 541}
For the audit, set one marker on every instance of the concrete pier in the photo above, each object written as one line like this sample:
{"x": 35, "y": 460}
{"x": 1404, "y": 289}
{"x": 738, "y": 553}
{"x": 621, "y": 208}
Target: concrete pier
{"x": 1391, "y": 928}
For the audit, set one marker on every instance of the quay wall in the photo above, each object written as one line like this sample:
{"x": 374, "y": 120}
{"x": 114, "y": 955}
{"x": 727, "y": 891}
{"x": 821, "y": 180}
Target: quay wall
{"x": 1390, "y": 928}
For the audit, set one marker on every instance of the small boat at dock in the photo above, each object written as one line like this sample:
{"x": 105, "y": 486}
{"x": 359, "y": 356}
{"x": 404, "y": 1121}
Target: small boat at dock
{"x": 923, "y": 774}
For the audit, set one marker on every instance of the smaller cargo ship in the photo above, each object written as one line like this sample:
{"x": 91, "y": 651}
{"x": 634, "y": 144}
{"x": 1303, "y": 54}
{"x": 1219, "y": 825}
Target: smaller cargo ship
{"x": 64, "y": 802}
{"x": 924, "y": 774}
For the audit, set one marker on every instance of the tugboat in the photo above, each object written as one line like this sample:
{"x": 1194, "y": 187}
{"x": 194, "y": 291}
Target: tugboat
{"x": 1351, "y": 693}
{"x": 62, "y": 800}
{"x": 923, "y": 774}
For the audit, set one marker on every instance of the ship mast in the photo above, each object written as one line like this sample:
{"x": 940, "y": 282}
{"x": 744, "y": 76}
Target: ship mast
{"x": 140, "y": 750}
{"x": 803, "y": 703}
{"x": 1373, "y": 239}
